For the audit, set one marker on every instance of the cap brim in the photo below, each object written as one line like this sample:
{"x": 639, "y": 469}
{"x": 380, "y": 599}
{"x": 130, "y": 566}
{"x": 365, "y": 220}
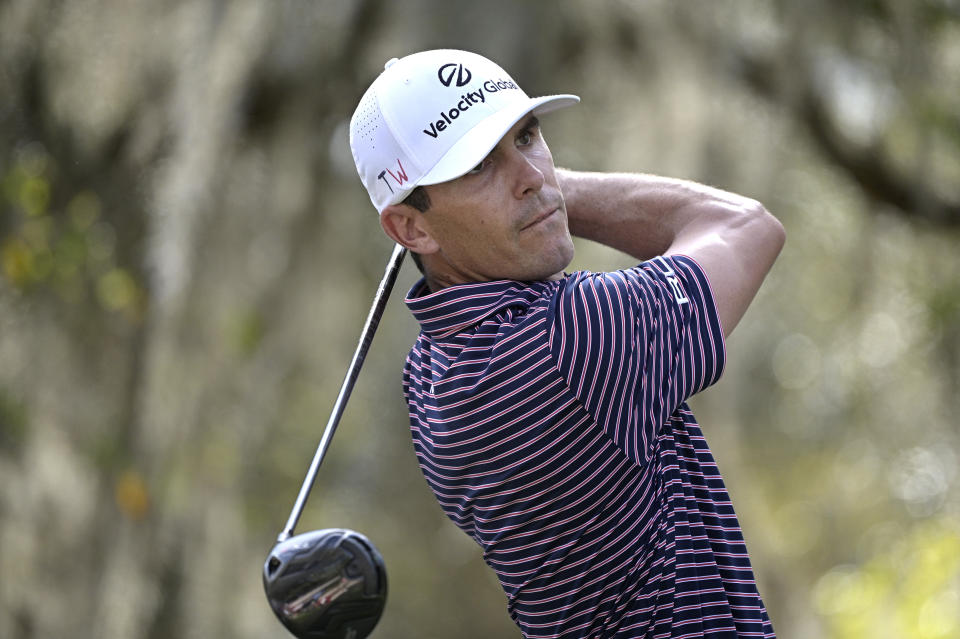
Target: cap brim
{"x": 480, "y": 140}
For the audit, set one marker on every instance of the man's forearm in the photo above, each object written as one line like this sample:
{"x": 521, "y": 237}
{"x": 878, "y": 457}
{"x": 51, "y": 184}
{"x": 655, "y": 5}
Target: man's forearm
{"x": 733, "y": 238}
{"x": 642, "y": 215}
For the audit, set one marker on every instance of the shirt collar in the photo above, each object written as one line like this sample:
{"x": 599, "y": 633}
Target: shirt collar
{"x": 455, "y": 308}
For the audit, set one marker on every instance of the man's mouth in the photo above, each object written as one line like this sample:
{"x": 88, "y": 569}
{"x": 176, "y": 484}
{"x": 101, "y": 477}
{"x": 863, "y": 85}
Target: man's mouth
{"x": 540, "y": 217}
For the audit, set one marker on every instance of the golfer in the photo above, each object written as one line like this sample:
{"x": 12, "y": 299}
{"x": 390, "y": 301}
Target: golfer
{"x": 547, "y": 408}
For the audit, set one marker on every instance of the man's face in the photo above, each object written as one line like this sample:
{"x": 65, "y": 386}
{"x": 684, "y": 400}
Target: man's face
{"x": 505, "y": 219}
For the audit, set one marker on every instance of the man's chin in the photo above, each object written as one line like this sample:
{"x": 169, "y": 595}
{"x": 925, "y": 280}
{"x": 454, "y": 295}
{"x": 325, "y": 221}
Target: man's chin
{"x": 558, "y": 262}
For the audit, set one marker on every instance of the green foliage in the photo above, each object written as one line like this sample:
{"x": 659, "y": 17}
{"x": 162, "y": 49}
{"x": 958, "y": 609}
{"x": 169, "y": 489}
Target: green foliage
{"x": 68, "y": 249}
{"x": 14, "y": 424}
{"x": 245, "y": 332}
{"x": 911, "y": 590}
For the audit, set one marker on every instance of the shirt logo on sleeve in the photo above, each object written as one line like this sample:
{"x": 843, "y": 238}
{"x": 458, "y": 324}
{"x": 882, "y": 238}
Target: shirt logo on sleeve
{"x": 671, "y": 276}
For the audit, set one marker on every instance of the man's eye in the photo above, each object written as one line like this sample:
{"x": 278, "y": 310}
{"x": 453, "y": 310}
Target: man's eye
{"x": 480, "y": 167}
{"x": 525, "y": 138}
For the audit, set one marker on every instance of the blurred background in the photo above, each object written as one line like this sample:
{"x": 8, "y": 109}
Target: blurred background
{"x": 187, "y": 257}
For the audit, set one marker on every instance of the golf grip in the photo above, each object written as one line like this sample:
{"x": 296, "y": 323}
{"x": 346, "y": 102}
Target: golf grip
{"x": 366, "y": 337}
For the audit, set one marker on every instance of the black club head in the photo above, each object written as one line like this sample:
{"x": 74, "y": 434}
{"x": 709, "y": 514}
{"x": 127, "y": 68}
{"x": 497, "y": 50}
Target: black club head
{"x": 326, "y": 584}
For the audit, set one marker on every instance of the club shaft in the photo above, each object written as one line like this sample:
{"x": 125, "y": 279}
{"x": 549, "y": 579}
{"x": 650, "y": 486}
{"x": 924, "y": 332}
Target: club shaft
{"x": 366, "y": 337}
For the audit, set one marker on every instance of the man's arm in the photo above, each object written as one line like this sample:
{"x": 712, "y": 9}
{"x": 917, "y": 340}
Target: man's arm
{"x": 733, "y": 238}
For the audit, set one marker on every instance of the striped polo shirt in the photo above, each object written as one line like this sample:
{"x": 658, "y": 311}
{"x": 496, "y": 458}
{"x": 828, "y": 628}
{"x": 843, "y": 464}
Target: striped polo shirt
{"x": 549, "y": 420}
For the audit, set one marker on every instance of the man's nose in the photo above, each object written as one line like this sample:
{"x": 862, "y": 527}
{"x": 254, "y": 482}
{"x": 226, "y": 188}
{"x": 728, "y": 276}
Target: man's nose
{"x": 529, "y": 177}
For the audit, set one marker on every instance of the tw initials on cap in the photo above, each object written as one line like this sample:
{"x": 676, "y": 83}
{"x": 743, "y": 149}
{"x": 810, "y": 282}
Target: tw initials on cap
{"x": 399, "y": 177}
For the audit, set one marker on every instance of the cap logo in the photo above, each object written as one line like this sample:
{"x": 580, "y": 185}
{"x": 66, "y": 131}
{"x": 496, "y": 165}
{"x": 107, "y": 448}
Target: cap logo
{"x": 399, "y": 177}
{"x": 446, "y": 74}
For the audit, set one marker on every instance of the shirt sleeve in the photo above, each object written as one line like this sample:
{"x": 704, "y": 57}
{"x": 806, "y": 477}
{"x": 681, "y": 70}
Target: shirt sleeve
{"x": 635, "y": 344}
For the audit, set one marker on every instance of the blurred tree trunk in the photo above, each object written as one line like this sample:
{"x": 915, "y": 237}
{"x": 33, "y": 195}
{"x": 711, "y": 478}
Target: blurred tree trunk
{"x": 170, "y": 173}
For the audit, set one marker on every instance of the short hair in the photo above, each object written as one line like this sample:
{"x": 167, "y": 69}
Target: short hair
{"x": 420, "y": 200}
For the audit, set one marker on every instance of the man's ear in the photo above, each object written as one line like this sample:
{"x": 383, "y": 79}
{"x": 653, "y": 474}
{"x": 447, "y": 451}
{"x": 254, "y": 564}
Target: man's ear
{"x": 406, "y": 226}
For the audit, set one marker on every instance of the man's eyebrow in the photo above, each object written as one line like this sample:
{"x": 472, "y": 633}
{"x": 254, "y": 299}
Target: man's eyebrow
{"x": 531, "y": 123}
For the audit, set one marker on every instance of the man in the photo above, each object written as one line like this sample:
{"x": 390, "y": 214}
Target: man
{"x": 547, "y": 409}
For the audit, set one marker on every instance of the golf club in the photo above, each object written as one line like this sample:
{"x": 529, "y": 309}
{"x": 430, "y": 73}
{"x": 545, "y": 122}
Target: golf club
{"x": 331, "y": 584}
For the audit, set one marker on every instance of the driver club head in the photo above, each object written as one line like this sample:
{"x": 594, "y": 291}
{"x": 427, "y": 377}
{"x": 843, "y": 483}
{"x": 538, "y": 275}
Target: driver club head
{"x": 326, "y": 584}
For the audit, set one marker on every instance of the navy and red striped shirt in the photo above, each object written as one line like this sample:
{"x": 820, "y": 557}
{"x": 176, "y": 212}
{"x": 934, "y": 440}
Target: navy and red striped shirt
{"x": 549, "y": 420}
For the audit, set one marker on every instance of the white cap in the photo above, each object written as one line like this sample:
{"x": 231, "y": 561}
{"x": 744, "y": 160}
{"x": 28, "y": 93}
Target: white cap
{"x": 431, "y": 117}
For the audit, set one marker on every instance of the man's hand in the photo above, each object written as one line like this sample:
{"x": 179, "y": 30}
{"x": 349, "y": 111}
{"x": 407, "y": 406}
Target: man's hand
{"x": 733, "y": 238}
